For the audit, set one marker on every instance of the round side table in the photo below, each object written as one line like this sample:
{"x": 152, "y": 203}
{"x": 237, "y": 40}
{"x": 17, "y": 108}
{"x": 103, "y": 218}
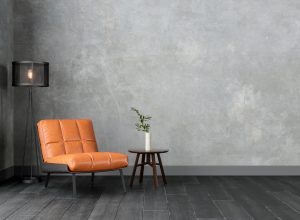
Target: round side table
{"x": 148, "y": 158}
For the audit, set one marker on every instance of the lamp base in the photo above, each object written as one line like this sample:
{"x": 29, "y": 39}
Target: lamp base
{"x": 29, "y": 180}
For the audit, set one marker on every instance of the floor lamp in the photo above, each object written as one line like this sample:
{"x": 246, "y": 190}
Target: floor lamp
{"x": 30, "y": 74}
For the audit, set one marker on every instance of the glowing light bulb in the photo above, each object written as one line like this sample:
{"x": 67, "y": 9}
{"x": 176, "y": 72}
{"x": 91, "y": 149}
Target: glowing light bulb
{"x": 29, "y": 74}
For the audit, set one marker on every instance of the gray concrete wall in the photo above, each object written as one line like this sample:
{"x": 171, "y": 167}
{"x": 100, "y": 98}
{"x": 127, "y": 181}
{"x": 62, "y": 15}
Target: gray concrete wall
{"x": 220, "y": 78}
{"x": 6, "y": 90}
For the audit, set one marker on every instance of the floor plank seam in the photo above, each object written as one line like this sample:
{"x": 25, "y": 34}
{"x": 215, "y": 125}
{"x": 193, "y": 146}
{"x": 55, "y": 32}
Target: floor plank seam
{"x": 71, "y": 204}
{"x": 218, "y": 209}
{"x": 285, "y": 203}
{"x": 44, "y": 206}
{"x": 177, "y": 194}
{"x": 17, "y": 209}
{"x": 271, "y": 211}
{"x": 189, "y": 201}
{"x": 143, "y": 207}
{"x": 123, "y": 197}
{"x": 251, "y": 217}
{"x": 166, "y": 197}
{"x": 289, "y": 192}
{"x": 95, "y": 205}
{"x": 218, "y": 184}
{"x": 62, "y": 215}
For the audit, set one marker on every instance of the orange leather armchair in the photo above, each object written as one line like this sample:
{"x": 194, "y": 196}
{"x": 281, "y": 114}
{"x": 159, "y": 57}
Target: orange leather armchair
{"x": 69, "y": 146}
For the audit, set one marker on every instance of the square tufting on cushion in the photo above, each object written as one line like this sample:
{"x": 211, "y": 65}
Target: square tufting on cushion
{"x": 67, "y": 136}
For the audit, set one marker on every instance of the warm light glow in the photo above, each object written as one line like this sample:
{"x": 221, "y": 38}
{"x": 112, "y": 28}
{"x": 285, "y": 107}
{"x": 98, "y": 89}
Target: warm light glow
{"x": 29, "y": 74}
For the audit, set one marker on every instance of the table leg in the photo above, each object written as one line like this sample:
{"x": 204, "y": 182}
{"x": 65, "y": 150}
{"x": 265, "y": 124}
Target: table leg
{"x": 154, "y": 171}
{"x": 142, "y": 168}
{"x": 134, "y": 169}
{"x": 161, "y": 169}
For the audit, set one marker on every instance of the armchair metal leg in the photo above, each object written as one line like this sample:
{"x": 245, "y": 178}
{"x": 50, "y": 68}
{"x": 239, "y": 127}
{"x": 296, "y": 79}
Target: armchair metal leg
{"x": 74, "y": 184}
{"x": 123, "y": 181}
{"x": 47, "y": 180}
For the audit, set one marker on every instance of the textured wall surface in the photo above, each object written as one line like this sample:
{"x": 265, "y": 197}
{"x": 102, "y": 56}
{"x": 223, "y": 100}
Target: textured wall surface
{"x": 6, "y": 91}
{"x": 220, "y": 78}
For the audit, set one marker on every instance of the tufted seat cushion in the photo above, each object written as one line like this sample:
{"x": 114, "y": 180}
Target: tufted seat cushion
{"x": 94, "y": 161}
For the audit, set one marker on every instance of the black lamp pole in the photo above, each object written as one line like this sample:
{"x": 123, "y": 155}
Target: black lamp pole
{"x": 30, "y": 74}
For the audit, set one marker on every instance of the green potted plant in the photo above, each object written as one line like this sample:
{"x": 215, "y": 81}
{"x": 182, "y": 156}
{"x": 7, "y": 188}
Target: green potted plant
{"x": 143, "y": 125}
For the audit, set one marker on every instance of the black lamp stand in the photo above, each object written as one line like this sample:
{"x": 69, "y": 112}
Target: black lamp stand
{"x": 30, "y": 134}
{"x": 30, "y": 74}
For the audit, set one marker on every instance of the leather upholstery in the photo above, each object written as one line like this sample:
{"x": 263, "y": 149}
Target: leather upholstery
{"x": 72, "y": 142}
{"x": 94, "y": 161}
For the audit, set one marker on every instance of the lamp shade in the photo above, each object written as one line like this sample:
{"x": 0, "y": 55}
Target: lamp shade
{"x": 30, "y": 73}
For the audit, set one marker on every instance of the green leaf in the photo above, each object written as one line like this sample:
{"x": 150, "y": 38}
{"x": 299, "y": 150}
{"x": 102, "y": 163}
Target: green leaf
{"x": 142, "y": 126}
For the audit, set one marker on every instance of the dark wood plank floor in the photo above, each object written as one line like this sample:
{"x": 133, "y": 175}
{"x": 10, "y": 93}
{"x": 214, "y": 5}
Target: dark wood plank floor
{"x": 232, "y": 198}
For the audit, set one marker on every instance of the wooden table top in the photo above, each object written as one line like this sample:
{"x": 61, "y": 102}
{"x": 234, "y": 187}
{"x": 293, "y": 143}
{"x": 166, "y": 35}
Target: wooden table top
{"x": 152, "y": 150}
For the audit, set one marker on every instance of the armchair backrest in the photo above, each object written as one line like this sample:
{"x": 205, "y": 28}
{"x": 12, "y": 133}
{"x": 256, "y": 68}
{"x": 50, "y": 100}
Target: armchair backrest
{"x": 67, "y": 136}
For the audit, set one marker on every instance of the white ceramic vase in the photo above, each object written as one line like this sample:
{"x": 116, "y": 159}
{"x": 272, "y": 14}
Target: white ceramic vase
{"x": 147, "y": 141}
